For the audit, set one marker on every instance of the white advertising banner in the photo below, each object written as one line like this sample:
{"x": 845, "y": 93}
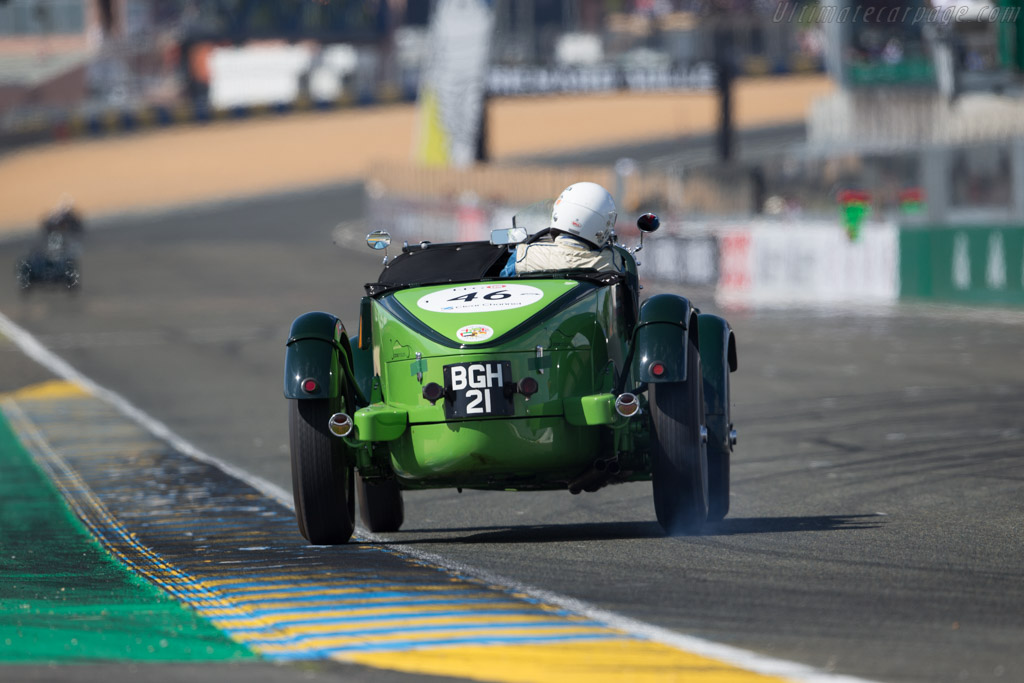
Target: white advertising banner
{"x": 258, "y": 74}
{"x": 270, "y": 74}
{"x": 452, "y": 85}
{"x": 807, "y": 264}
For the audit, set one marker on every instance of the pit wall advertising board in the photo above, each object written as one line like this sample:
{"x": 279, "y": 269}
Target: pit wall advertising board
{"x": 968, "y": 264}
{"x": 806, "y": 264}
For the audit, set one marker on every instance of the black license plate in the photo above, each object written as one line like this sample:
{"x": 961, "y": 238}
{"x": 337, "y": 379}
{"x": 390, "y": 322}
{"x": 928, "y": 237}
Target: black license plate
{"x": 477, "y": 389}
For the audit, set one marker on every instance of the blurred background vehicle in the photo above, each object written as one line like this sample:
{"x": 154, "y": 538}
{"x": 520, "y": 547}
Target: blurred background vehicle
{"x": 53, "y": 260}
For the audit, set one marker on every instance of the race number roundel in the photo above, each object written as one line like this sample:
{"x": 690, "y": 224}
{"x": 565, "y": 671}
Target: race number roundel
{"x": 481, "y": 298}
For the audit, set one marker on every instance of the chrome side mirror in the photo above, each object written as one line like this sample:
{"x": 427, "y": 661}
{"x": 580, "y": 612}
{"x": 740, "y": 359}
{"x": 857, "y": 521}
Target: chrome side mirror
{"x": 377, "y": 240}
{"x": 648, "y": 222}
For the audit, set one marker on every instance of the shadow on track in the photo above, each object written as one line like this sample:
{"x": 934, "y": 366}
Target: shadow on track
{"x": 613, "y": 531}
{"x": 773, "y": 525}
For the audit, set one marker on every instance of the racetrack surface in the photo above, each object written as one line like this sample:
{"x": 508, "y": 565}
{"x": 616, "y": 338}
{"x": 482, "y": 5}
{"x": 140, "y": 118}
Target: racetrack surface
{"x": 876, "y": 517}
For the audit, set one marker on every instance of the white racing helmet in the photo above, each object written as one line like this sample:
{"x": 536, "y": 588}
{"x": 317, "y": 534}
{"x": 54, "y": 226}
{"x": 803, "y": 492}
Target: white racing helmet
{"x": 587, "y": 211}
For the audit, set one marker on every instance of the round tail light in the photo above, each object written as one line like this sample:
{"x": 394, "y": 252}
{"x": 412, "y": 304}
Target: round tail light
{"x": 433, "y": 392}
{"x": 528, "y": 386}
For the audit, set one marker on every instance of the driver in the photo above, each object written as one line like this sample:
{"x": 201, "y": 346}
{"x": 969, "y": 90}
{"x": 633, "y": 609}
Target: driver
{"x": 582, "y": 222}
{"x": 63, "y": 220}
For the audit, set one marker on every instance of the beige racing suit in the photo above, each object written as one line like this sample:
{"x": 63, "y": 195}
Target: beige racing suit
{"x": 563, "y": 253}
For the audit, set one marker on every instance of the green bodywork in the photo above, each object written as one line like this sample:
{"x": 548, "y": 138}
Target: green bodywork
{"x": 581, "y": 331}
{"x": 584, "y": 340}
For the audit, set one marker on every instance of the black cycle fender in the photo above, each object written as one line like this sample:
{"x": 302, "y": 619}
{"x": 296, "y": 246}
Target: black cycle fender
{"x": 666, "y": 321}
{"x": 318, "y": 350}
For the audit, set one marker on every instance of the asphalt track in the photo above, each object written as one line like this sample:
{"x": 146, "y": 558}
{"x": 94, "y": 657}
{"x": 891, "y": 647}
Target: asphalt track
{"x": 876, "y": 525}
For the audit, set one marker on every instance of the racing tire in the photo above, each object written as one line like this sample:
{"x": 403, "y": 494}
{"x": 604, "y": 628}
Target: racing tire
{"x": 380, "y": 505}
{"x": 678, "y": 452}
{"x": 719, "y": 457}
{"x": 718, "y": 485}
{"x": 323, "y": 479}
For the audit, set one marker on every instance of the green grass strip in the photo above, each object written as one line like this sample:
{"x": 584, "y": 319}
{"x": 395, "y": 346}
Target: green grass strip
{"x": 63, "y": 599}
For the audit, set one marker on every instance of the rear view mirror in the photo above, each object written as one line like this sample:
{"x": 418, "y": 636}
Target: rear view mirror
{"x": 378, "y": 239}
{"x": 648, "y": 222}
{"x": 508, "y": 235}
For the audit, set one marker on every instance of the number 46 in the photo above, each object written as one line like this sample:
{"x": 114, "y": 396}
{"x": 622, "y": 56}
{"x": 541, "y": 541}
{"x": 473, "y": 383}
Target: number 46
{"x": 491, "y": 296}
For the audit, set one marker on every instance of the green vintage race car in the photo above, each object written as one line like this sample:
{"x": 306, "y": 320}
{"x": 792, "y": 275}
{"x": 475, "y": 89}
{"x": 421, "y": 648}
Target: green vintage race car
{"x": 458, "y": 378}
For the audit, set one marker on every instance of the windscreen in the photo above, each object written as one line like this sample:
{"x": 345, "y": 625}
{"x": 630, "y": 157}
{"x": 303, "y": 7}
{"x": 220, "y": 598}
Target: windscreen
{"x": 535, "y": 217}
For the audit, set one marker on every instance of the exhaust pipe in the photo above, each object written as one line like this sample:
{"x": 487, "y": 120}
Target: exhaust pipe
{"x": 627, "y": 405}
{"x": 596, "y": 477}
{"x": 340, "y": 425}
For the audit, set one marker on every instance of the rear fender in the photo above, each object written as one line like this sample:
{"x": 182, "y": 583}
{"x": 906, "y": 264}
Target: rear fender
{"x": 317, "y": 349}
{"x": 717, "y": 360}
{"x": 666, "y": 322}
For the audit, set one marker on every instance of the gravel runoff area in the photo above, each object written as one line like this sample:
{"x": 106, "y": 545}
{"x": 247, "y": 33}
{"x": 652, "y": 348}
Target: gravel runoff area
{"x": 202, "y": 163}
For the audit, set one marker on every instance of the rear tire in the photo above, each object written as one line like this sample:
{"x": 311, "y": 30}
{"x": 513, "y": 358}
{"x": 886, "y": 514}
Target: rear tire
{"x": 678, "y": 453}
{"x": 380, "y": 505}
{"x": 718, "y": 484}
{"x": 717, "y": 398}
{"x": 322, "y": 476}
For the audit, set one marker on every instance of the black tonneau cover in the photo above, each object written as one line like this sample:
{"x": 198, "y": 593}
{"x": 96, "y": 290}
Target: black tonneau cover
{"x": 438, "y": 263}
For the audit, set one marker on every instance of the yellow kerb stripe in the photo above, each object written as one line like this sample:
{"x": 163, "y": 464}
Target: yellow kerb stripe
{"x": 611, "y": 661}
{"x": 52, "y": 389}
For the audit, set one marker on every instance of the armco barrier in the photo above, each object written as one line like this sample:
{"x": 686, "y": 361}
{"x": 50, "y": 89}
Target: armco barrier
{"x": 964, "y": 264}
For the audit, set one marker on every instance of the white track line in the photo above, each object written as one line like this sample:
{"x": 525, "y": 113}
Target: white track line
{"x": 744, "y": 659}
